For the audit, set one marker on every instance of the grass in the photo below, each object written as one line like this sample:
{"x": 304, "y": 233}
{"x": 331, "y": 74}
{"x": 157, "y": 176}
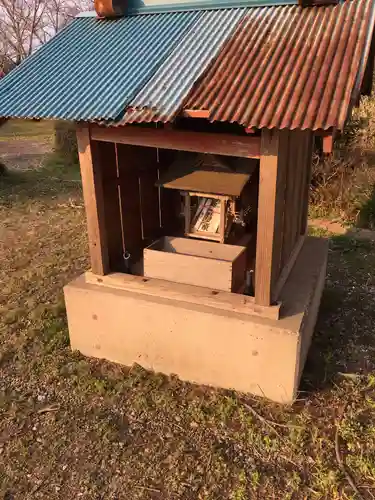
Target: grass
{"x": 31, "y": 145}
{"x": 343, "y": 184}
{"x": 15, "y": 129}
{"x": 72, "y": 427}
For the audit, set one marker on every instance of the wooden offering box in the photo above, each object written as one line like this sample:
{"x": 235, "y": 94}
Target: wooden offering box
{"x": 195, "y": 262}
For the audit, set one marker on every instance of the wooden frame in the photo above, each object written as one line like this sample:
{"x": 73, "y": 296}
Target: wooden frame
{"x": 220, "y": 237}
{"x": 184, "y": 140}
{"x": 270, "y": 189}
{"x": 196, "y": 113}
{"x": 93, "y": 194}
{"x": 284, "y": 162}
{"x": 223, "y": 301}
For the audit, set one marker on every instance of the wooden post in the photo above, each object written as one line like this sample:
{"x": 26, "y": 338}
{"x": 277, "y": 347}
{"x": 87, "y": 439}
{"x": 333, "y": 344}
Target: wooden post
{"x": 187, "y": 211}
{"x": 307, "y": 181}
{"x": 92, "y": 185}
{"x": 223, "y": 219}
{"x": 328, "y": 141}
{"x": 271, "y": 189}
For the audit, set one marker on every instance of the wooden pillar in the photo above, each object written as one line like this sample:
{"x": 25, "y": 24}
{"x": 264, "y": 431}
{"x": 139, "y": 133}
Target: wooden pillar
{"x": 307, "y": 181}
{"x": 271, "y": 198}
{"x": 93, "y": 194}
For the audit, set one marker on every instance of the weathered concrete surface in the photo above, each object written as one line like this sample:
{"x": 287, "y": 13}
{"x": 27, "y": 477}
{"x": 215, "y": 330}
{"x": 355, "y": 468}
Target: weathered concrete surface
{"x": 203, "y": 344}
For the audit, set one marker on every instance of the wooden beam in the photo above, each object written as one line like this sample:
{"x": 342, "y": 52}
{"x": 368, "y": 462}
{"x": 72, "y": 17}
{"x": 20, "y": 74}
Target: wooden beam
{"x": 307, "y": 182}
{"x": 223, "y": 206}
{"x": 209, "y": 195}
{"x": 196, "y": 113}
{"x": 328, "y": 137}
{"x": 270, "y": 189}
{"x": 187, "y": 212}
{"x": 190, "y": 294}
{"x": 93, "y": 195}
{"x": 183, "y": 140}
{"x": 328, "y": 143}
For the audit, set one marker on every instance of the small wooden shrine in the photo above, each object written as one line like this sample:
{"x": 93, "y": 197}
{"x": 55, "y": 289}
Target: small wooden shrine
{"x": 195, "y": 127}
{"x": 200, "y": 260}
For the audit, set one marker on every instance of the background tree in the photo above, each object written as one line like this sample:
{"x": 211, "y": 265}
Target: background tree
{"x": 26, "y": 24}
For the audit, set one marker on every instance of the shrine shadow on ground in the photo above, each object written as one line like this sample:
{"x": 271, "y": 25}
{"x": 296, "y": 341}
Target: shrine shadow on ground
{"x": 344, "y": 340}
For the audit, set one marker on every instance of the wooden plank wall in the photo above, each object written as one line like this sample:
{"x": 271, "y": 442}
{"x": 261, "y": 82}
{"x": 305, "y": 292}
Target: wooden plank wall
{"x": 285, "y": 168}
{"x": 307, "y": 182}
{"x": 106, "y": 156}
{"x": 170, "y": 199}
{"x": 295, "y": 156}
{"x": 296, "y": 193}
{"x": 147, "y": 212}
{"x": 280, "y": 204}
{"x": 125, "y": 210}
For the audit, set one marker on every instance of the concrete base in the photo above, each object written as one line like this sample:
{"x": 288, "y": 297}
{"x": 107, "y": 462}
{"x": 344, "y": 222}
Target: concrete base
{"x": 200, "y": 343}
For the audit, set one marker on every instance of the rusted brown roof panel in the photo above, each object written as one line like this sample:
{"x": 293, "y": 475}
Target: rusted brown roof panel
{"x": 289, "y": 67}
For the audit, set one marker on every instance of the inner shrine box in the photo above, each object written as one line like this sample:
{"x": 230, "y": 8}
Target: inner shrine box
{"x": 217, "y": 192}
{"x": 211, "y": 189}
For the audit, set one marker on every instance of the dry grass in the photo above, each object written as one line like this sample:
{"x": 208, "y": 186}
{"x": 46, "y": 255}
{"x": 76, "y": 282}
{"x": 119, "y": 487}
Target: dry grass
{"x": 343, "y": 185}
{"x": 25, "y": 144}
{"x": 75, "y": 428}
{"x": 26, "y": 129}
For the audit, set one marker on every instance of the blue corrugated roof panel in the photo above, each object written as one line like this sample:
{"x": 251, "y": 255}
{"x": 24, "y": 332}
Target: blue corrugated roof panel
{"x": 161, "y": 98}
{"x": 93, "y": 68}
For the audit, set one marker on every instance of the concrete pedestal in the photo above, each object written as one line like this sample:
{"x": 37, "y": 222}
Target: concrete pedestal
{"x": 199, "y": 343}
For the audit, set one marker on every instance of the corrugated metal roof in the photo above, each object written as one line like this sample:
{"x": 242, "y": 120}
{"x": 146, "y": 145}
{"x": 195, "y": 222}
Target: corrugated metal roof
{"x": 140, "y": 7}
{"x": 93, "y": 68}
{"x": 274, "y": 67}
{"x": 136, "y": 7}
{"x": 290, "y": 67}
{"x": 160, "y": 99}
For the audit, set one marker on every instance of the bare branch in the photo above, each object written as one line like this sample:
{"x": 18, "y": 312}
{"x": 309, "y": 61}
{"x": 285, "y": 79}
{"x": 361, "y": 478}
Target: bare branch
{"x": 27, "y": 24}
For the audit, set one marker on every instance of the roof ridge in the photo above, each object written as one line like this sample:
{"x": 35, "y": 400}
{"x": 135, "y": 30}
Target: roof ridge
{"x": 137, "y": 8}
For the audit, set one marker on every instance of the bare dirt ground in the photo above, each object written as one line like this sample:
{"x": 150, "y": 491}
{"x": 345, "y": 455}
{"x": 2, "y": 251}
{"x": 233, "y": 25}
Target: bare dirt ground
{"x": 24, "y": 145}
{"x": 24, "y": 150}
{"x": 77, "y": 428}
